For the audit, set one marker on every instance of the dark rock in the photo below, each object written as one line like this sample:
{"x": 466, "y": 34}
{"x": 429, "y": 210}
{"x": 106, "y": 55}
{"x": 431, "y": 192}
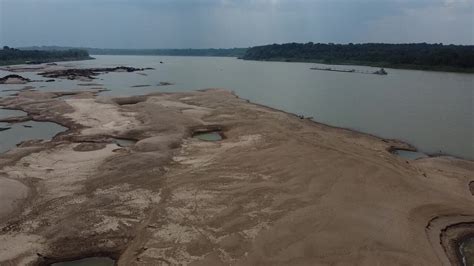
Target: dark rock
{"x": 381, "y": 72}
{"x": 89, "y": 73}
{"x": 140, "y": 86}
{"x": 22, "y": 80}
{"x": 164, "y": 83}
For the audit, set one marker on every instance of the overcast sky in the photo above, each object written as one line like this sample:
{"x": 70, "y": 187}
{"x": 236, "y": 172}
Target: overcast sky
{"x": 231, "y": 23}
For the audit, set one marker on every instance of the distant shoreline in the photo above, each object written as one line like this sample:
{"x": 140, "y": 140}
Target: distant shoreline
{"x": 13, "y": 56}
{"x": 22, "y": 62}
{"x": 284, "y": 60}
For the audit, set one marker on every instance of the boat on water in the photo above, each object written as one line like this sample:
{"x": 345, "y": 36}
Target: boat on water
{"x": 378, "y": 72}
{"x": 335, "y": 70}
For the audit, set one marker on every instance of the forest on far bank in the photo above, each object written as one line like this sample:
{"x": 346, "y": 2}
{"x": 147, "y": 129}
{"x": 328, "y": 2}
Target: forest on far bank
{"x": 10, "y": 56}
{"x": 459, "y": 58}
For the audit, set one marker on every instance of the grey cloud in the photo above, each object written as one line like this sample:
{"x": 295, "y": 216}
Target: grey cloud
{"x": 231, "y": 23}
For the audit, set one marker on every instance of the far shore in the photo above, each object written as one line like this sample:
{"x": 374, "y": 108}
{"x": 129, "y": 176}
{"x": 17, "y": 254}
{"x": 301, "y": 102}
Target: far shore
{"x": 52, "y": 60}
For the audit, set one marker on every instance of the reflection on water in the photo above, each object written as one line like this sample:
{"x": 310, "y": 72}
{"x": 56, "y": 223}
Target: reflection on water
{"x": 94, "y": 261}
{"x": 431, "y": 110}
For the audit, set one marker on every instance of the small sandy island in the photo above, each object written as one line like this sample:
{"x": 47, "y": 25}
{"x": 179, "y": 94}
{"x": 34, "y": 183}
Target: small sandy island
{"x": 275, "y": 190}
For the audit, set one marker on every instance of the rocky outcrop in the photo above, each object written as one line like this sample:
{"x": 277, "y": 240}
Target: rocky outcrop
{"x": 165, "y": 83}
{"x": 86, "y": 73}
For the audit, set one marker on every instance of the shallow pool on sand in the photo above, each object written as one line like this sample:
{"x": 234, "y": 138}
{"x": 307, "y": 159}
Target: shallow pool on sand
{"x": 94, "y": 261}
{"x": 209, "y": 136}
{"x": 19, "y": 132}
{"x": 410, "y": 155}
{"x": 124, "y": 142}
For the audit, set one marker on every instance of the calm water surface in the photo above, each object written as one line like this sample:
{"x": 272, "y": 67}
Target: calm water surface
{"x": 431, "y": 110}
{"x": 26, "y": 131}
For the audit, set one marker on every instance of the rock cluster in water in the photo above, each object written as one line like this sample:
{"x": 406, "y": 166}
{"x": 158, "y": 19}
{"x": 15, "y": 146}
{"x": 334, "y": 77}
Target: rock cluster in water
{"x": 89, "y": 73}
{"x": 14, "y": 79}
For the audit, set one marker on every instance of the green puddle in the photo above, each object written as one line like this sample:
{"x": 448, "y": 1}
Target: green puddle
{"x": 209, "y": 136}
{"x": 94, "y": 261}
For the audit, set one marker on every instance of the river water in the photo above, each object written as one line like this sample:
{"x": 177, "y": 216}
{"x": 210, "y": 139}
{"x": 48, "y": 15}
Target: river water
{"x": 431, "y": 110}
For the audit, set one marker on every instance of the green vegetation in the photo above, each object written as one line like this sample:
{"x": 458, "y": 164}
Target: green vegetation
{"x": 232, "y": 52}
{"x": 11, "y": 56}
{"x": 423, "y": 56}
{"x": 457, "y": 58}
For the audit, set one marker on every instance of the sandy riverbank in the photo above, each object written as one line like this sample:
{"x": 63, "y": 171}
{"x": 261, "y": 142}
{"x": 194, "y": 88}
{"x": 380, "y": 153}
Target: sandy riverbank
{"x": 276, "y": 190}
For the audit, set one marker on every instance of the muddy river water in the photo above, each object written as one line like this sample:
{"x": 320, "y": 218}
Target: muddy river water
{"x": 431, "y": 110}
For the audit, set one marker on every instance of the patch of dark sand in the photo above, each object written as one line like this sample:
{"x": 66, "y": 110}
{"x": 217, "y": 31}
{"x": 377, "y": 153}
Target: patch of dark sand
{"x": 89, "y": 146}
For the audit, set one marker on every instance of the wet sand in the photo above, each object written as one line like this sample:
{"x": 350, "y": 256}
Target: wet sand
{"x": 276, "y": 189}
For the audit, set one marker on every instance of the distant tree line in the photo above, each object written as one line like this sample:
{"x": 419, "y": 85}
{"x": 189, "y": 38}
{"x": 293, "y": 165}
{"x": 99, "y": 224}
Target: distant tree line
{"x": 412, "y": 55}
{"x": 16, "y": 56}
{"x": 441, "y": 57}
{"x": 230, "y": 52}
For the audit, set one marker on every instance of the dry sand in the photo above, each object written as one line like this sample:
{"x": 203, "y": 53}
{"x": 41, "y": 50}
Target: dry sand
{"x": 277, "y": 190}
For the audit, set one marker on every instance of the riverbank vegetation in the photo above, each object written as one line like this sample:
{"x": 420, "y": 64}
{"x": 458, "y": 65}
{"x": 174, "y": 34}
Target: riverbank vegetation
{"x": 457, "y": 58}
{"x": 230, "y": 52}
{"x": 423, "y": 56}
{"x": 12, "y": 56}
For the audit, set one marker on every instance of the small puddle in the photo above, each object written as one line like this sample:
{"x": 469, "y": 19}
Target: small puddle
{"x": 29, "y": 130}
{"x": 467, "y": 251}
{"x": 124, "y": 142}
{"x": 208, "y": 136}
{"x": 410, "y": 155}
{"x": 93, "y": 261}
